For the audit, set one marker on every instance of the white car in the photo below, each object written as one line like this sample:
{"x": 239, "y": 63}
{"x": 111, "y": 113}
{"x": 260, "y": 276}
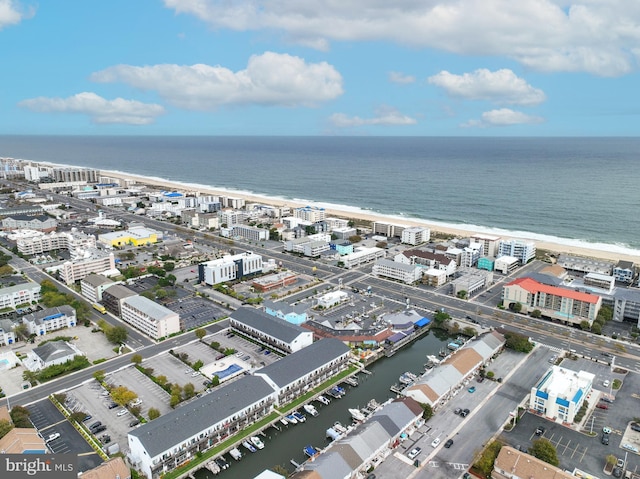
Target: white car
{"x": 195, "y": 374}
{"x": 121, "y": 412}
{"x": 606, "y": 383}
{"x": 136, "y": 402}
{"x": 53, "y": 437}
{"x": 435, "y": 442}
{"x": 414, "y": 452}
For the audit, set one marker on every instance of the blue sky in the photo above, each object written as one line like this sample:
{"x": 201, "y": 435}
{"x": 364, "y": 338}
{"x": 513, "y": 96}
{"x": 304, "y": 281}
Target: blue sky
{"x": 320, "y": 67}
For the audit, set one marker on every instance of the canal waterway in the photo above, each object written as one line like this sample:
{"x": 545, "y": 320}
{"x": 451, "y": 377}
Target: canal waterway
{"x": 287, "y": 444}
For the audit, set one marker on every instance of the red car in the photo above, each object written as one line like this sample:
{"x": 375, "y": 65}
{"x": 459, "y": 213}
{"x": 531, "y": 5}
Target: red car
{"x": 602, "y": 405}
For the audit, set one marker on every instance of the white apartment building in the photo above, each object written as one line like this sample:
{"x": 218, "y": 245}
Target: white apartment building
{"x": 149, "y": 317}
{"x": 229, "y": 268}
{"x": 232, "y": 202}
{"x": 599, "y": 281}
{"x": 70, "y": 174}
{"x": 560, "y": 393}
{"x": 525, "y": 251}
{"x": 73, "y": 241}
{"x": 94, "y": 261}
{"x": 415, "y": 235}
{"x": 506, "y": 264}
{"x": 7, "y": 335}
{"x": 471, "y": 280}
{"x": 310, "y": 213}
{"x": 489, "y": 244}
{"x": 12, "y": 296}
{"x": 50, "y": 319}
{"x": 434, "y": 277}
{"x": 335, "y": 223}
{"x": 232, "y": 217}
{"x": 93, "y": 285}
{"x": 470, "y": 255}
{"x": 361, "y": 256}
{"x": 405, "y": 273}
{"x": 332, "y": 298}
{"x": 250, "y": 233}
{"x": 585, "y": 265}
{"x": 388, "y": 230}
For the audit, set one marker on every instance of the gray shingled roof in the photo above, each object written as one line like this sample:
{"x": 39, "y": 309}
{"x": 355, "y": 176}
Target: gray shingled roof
{"x": 394, "y": 264}
{"x": 151, "y": 308}
{"x": 96, "y": 280}
{"x": 329, "y": 466}
{"x": 300, "y": 363}
{"x": 38, "y": 316}
{"x": 284, "y": 307}
{"x": 269, "y": 325}
{"x": 189, "y": 420}
{"x": 53, "y": 350}
{"x": 119, "y": 291}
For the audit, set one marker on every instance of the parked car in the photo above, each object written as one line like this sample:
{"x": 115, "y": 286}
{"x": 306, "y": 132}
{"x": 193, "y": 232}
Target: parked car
{"x": 635, "y": 426}
{"x": 99, "y": 429}
{"x": 606, "y": 383}
{"x": 540, "y": 431}
{"x": 457, "y": 411}
{"x": 53, "y": 437}
{"x": 95, "y": 425}
{"x": 606, "y": 399}
{"x": 464, "y": 412}
{"x": 472, "y": 389}
{"x": 449, "y": 443}
{"x": 122, "y": 412}
{"x": 135, "y": 422}
{"x": 605, "y": 439}
{"x": 87, "y": 417}
{"x": 602, "y": 405}
{"x": 435, "y": 442}
{"x": 617, "y": 472}
{"x": 413, "y": 453}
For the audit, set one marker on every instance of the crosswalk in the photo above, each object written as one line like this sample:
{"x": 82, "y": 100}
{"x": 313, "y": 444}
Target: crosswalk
{"x": 555, "y": 349}
{"x": 454, "y": 465}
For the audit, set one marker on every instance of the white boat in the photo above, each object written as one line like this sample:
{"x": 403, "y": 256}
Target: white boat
{"x": 299, "y": 416}
{"x": 284, "y": 422}
{"x": 324, "y": 400}
{"x": 291, "y": 419}
{"x": 351, "y": 381}
{"x": 310, "y": 408}
{"x": 256, "y": 441}
{"x": 404, "y": 379}
{"x": 339, "y": 427}
{"x": 235, "y": 453}
{"x": 356, "y": 414}
{"x": 249, "y": 446}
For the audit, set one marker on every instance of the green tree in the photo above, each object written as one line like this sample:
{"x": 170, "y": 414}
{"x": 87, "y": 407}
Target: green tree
{"x": 136, "y": 358}
{"x": 162, "y": 380}
{"x": 596, "y": 328}
{"x": 21, "y": 331}
{"x": 584, "y": 325}
{"x": 175, "y": 400}
{"x": 490, "y": 374}
{"x": 189, "y": 390}
{"x": 5, "y": 427}
{"x": 545, "y": 451}
{"x": 516, "y": 307}
{"x": 462, "y": 294}
{"x": 355, "y": 239}
{"x": 20, "y": 417}
{"x": 99, "y": 375}
{"x": 153, "y": 413}
{"x": 488, "y": 457}
{"x": 518, "y": 342}
{"x": 77, "y": 416}
{"x": 116, "y": 334}
{"x": 536, "y": 313}
{"x": 122, "y": 395}
{"x": 169, "y": 266}
{"x": 427, "y": 411}
{"x": 200, "y": 333}
{"x": 30, "y": 377}
{"x": 197, "y": 365}
{"x": 440, "y": 318}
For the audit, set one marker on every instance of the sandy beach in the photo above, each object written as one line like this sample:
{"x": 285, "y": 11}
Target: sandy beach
{"x": 540, "y": 245}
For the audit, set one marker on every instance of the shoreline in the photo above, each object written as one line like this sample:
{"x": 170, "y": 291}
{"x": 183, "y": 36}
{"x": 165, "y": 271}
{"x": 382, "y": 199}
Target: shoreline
{"x": 590, "y": 252}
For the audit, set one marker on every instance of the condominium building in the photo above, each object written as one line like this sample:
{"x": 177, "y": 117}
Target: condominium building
{"x": 624, "y": 272}
{"x": 63, "y": 175}
{"x": 50, "y": 319}
{"x": 415, "y": 235}
{"x": 113, "y": 297}
{"x": 428, "y": 260}
{"x": 599, "y": 281}
{"x": 554, "y": 302}
{"x": 525, "y": 251}
{"x": 506, "y": 264}
{"x": 560, "y": 393}
{"x": 389, "y": 230}
{"x": 471, "y": 280}
{"x": 336, "y": 223}
{"x": 404, "y": 273}
{"x": 42, "y": 223}
{"x": 232, "y": 217}
{"x": 229, "y": 268}
{"x": 7, "y": 335}
{"x": 93, "y": 285}
{"x": 74, "y": 241}
{"x": 489, "y": 244}
{"x": 95, "y": 262}
{"x": 270, "y": 330}
{"x": 250, "y": 233}
{"x": 626, "y": 305}
{"x": 362, "y": 255}
{"x": 470, "y": 255}
{"x": 310, "y": 213}
{"x": 585, "y": 265}
{"x": 13, "y": 296}
{"x": 151, "y": 318}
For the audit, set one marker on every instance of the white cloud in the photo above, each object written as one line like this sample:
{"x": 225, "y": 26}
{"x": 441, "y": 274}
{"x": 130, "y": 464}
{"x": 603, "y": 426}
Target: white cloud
{"x": 501, "y": 86}
{"x": 550, "y": 35}
{"x": 269, "y": 79}
{"x": 503, "y": 117}
{"x": 11, "y": 13}
{"x": 401, "y": 78}
{"x": 97, "y": 108}
{"x": 386, "y": 116}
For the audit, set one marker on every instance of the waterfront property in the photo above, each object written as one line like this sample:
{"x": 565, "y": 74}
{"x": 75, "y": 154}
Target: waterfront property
{"x": 525, "y": 251}
{"x": 439, "y": 384}
{"x": 176, "y": 438}
{"x": 560, "y": 393}
{"x": 271, "y": 331}
{"x": 554, "y": 302}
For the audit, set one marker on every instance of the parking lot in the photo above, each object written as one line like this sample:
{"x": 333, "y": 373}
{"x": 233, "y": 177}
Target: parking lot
{"x": 195, "y": 312}
{"x": 48, "y": 420}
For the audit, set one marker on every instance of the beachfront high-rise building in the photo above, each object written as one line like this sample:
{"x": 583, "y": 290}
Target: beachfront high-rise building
{"x": 525, "y": 251}
{"x": 389, "y": 230}
{"x": 64, "y": 175}
{"x": 624, "y": 272}
{"x": 553, "y": 302}
{"x": 415, "y": 235}
{"x": 489, "y": 244}
{"x": 310, "y": 213}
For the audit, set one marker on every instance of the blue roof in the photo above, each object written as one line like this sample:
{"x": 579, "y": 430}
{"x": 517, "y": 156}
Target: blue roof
{"x": 542, "y": 394}
{"x": 173, "y": 194}
{"x": 423, "y": 322}
{"x": 578, "y": 395}
{"x": 562, "y": 402}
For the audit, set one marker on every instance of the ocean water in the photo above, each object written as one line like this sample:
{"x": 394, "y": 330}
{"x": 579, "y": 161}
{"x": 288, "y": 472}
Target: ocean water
{"x": 574, "y": 191}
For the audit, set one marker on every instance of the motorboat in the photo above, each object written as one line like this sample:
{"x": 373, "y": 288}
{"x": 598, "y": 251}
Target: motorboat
{"x": 324, "y": 400}
{"x": 339, "y": 427}
{"x": 357, "y": 414}
{"x": 310, "y": 451}
{"x": 310, "y": 408}
{"x": 299, "y": 416}
{"x": 284, "y": 421}
{"x": 291, "y": 419}
{"x": 351, "y": 381}
{"x": 256, "y": 441}
{"x": 332, "y": 434}
{"x": 404, "y": 379}
{"x": 250, "y": 447}
{"x": 235, "y": 453}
